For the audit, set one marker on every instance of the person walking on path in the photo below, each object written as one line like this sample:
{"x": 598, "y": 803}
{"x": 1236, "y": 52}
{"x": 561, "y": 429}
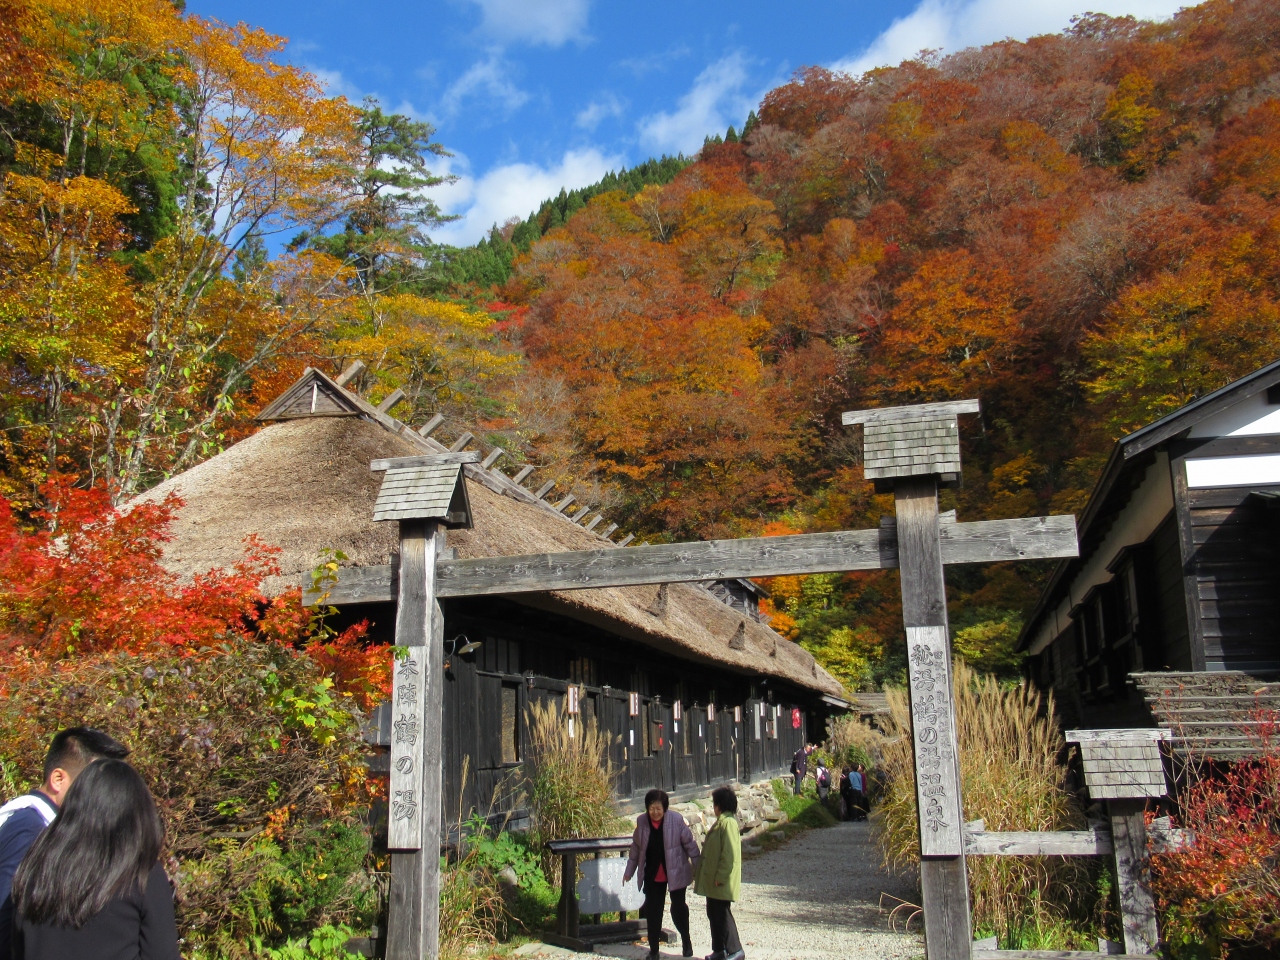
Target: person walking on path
{"x": 823, "y": 777}
{"x": 718, "y": 876}
{"x": 799, "y": 767}
{"x": 24, "y": 818}
{"x": 92, "y": 887}
{"x": 862, "y": 793}
{"x": 665, "y": 855}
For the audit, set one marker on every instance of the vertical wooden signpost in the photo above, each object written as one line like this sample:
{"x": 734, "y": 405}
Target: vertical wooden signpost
{"x": 910, "y": 451}
{"x": 425, "y": 497}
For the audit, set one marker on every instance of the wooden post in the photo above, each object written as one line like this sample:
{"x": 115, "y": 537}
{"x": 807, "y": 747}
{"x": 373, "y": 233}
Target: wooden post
{"x": 943, "y": 878}
{"x": 567, "y": 911}
{"x": 413, "y": 922}
{"x": 1133, "y": 876}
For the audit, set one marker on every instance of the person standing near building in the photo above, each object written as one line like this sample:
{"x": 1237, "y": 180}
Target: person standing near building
{"x": 799, "y": 767}
{"x": 23, "y": 819}
{"x": 664, "y": 854}
{"x": 823, "y": 778}
{"x": 718, "y": 876}
{"x": 92, "y": 886}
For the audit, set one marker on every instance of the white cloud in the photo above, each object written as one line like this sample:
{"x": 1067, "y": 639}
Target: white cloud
{"x": 715, "y": 101}
{"x": 489, "y": 78}
{"x": 954, "y": 24}
{"x": 550, "y": 22}
{"x": 513, "y": 190}
{"x": 600, "y": 109}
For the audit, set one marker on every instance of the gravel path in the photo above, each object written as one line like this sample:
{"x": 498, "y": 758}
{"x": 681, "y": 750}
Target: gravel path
{"x": 816, "y": 897}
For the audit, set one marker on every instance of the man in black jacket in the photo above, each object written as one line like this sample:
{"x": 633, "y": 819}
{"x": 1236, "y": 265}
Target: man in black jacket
{"x": 23, "y": 819}
{"x": 800, "y": 766}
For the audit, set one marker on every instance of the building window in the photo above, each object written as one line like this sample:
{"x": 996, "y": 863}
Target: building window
{"x": 510, "y": 723}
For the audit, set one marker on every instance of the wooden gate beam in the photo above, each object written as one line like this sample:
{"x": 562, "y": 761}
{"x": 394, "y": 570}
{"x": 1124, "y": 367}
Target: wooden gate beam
{"x": 984, "y": 541}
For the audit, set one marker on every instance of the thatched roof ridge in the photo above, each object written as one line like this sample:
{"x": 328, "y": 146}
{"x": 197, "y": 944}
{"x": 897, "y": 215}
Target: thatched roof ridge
{"x": 304, "y": 484}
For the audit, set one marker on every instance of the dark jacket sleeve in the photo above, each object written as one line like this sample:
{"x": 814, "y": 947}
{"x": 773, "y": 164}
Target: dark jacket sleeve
{"x": 16, "y": 837}
{"x": 159, "y": 937}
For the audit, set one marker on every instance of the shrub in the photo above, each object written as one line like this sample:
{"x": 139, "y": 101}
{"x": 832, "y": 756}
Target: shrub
{"x": 1223, "y": 893}
{"x": 1010, "y": 778}
{"x": 532, "y": 903}
{"x": 256, "y": 764}
{"x": 571, "y": 785}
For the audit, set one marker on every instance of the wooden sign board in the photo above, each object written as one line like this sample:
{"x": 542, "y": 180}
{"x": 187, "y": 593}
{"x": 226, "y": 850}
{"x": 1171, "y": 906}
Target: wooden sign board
{"x": 933, "y": 721}
{"x": 602, "y": 890}
{"x": 408, "y": 707}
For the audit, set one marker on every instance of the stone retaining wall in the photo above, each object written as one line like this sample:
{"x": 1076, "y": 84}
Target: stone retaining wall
{"x": 758, "y": 810}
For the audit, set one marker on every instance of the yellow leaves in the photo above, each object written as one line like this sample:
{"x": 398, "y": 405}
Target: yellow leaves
{"x": 62, "y": 299}
{"x": 271, "y": 145}
{"x": 440, "y": 352}
{"x": 1178, "y": 337}
{"x": 1141, "y": 134}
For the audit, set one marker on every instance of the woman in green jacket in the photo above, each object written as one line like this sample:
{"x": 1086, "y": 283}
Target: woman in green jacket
{"x": 719, "y": 876}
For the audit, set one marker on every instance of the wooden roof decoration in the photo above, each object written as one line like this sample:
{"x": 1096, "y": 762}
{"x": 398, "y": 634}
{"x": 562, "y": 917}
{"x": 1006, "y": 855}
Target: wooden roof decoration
{"x": 1122, "y": 764}
{"x": 912, "y": 441}
{"x": 1212, "y": 714}
{"x": 418, "y": 491}
{"x": 314, "y": 395}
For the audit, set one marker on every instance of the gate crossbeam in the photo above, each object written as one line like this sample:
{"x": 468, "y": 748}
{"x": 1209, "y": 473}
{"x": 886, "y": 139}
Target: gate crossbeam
{"x": 984, "y": 541}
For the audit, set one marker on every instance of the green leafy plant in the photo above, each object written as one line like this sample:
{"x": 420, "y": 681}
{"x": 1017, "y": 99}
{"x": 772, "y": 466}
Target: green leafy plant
{"x": 323, "y": 943}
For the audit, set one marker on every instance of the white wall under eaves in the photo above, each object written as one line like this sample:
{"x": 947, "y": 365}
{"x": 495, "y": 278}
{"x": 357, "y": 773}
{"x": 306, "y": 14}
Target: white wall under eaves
{"x": 1146, "y": 510}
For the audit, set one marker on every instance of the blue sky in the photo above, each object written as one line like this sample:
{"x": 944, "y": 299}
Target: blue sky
{"x": 535, "y": 95}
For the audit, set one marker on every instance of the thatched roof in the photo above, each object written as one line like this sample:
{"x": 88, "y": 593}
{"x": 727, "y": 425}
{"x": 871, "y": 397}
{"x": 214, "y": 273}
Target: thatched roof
{"x": 303, "y": 484}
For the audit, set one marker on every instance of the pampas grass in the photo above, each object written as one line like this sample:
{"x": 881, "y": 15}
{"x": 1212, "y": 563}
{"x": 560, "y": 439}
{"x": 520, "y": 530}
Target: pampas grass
{"x": 571, "y": 786}
{"x": 1009, "y": 745}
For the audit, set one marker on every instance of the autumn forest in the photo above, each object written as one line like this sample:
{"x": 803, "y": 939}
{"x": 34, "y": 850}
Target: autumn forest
{"x": 1082, "y": 230}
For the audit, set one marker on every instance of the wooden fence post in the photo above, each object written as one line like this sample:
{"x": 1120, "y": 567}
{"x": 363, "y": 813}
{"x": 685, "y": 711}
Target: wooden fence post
{"x": 1133, "y": 876}
{"x": 943, "y": 879}
{"x": 413, "y": 922}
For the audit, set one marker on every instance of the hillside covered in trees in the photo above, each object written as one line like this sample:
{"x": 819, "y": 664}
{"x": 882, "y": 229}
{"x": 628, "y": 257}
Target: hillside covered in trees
{"x": 1082, "y": 230}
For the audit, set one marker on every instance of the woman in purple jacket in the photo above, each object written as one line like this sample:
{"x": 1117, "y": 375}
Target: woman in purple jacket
{"x": 662, "y": 858}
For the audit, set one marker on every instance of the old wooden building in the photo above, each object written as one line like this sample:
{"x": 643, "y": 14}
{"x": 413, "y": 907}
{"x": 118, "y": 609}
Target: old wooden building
{"x": 691, "y": 685}
{"x": 1179, "y": 566}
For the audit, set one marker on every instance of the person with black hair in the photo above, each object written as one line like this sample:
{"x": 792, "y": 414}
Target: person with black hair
{"x": 664, "y": 844}
{"x": 92, "y": 886}
{"x": 23, "y": 819}
{"x": 719, "y": 876}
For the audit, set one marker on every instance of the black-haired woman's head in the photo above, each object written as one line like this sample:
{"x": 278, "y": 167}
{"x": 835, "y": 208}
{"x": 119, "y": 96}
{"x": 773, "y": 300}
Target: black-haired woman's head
{"x": 725, "y": 799}
{"x": 657, "y": 796}
{"x": 102, "y": 845}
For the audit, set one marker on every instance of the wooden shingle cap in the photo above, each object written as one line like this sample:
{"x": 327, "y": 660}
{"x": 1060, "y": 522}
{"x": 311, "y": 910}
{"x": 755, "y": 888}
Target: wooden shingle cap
{"x": 914, "y": 441}
{"x": 416, "y": 488}
{"x": 1122, "y": 764}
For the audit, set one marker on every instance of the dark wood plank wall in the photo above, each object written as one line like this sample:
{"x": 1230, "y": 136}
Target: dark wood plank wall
{"x": 1236, "y": 571}
{"x": 526, "y": 656}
